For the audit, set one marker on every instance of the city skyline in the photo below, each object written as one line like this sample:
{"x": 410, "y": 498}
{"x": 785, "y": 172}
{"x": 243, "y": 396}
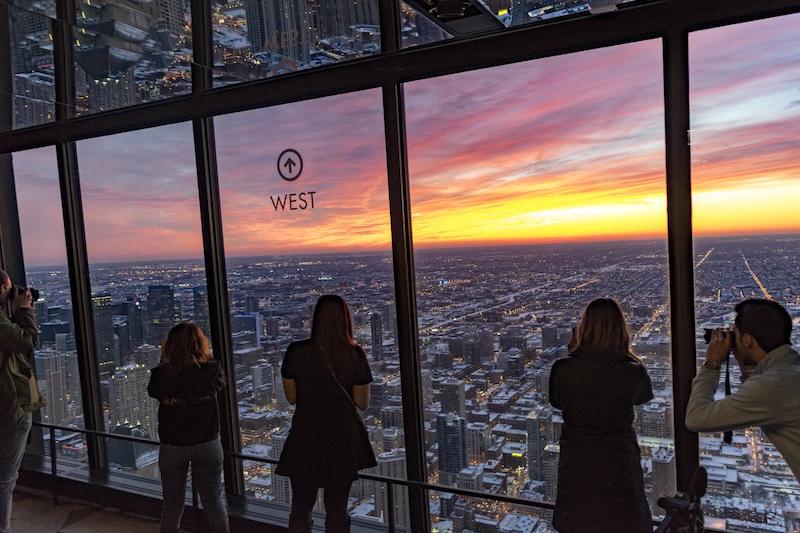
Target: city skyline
{"x": 544, "y": 176}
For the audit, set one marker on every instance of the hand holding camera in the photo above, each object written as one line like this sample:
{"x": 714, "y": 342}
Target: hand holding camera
{"x": 720, "y": 343}
{"x": 21, "y": 297}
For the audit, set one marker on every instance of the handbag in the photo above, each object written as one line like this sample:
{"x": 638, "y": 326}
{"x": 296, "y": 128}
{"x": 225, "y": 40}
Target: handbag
{"x": 362, "y": 448}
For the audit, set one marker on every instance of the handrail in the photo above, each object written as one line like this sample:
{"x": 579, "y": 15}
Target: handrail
{"x": 390, "y": 482}
{"x": 371, "y": 477}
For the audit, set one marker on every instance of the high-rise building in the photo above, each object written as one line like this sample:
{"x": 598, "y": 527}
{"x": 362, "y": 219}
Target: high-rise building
{"x": 129, "y": 404}
{"x": 550, "y": 470}
{"x": 664, "y": 484}
{"x": 540, "y": 434}
{"x": 134, "y": 316}
{"x": 281, "y": 486}
{"x": 254, "y": 13}
{"x": 392, "y": 464}
{"x": 172, "y": 13}
{"x": 51, "y": 375}
{"x": 160, "y": 313}
{"x": 479, "y": 439}
{"x": 122, "y": 341}
{"x": 390, "y": 319}
{"x": 251, "y": 325}
{"x": 200, "y": 308}
{"x": 282, "y": 27}
{"x": 104, "y": 331}
{"x": 452, "y": 397}
{"x": 451, "y": 433}
{"x": 376, "y": 324}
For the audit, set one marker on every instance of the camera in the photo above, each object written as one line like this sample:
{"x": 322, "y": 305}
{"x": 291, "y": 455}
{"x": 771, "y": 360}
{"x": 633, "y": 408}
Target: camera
{"x": 16, "y": 289}
{"x": 707, "y": 332}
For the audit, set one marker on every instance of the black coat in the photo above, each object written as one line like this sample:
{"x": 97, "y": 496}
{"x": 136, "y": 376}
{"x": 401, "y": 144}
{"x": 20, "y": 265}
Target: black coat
{"x": 600, "y": 480}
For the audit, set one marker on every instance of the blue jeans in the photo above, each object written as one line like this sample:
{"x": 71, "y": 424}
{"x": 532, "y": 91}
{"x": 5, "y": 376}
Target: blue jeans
{"x": 12, "y": 449}
{"x": 206, "y": 462}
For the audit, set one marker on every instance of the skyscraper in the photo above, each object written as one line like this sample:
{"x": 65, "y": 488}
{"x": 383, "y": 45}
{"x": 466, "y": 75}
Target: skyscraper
{"x": 52, "y": 383}
{"x": 392, "y": 464}
{"x": 376, "y": 323}
{"x": 254, "y": 13}
{"x": 135, "y": 318}
{"x": 281, "y": 486}
{"x": 104, "y": 331}
{"x": 200, "y": 308}
{"x": 129, "y": 404}
{"x": 452, "y": 435}
{"x": 160, "y": 313}
{"x": 540, "y": 434}
{"x": 479, "y": 438}
{"x": 550, "y": 458}
{"x": 452, "y": 396}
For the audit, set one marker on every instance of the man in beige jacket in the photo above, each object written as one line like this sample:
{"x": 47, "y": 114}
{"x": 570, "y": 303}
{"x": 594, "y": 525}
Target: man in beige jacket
{"x": 769, "y": 396}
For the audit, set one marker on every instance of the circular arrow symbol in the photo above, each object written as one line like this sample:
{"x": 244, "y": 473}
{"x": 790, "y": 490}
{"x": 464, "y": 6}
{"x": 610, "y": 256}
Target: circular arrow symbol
{"x": 290, "y": 164}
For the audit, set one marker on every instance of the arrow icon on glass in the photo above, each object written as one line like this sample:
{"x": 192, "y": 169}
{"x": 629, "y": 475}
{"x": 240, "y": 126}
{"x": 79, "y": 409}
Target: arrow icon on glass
{"x": 289, "y": 164}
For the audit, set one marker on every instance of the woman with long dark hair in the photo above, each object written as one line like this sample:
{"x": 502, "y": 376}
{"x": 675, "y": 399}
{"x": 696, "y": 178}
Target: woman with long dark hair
{"x": 600, "y": 480}
{"x": 186, "y": 385}
{"x": 327, "y": 378}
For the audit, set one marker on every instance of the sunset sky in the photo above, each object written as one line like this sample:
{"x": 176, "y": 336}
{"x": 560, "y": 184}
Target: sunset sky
{"x": 563, "y": 148}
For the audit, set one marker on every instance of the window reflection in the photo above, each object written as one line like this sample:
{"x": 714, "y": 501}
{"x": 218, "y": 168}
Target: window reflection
{"x": 131, "y": 51}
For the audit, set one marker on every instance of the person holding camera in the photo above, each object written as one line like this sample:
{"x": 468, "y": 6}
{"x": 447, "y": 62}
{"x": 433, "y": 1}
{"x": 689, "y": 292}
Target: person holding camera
{"x": 761, "y": 343}
{"x": 19, "y": 395}
{"x": 600, "y": 481}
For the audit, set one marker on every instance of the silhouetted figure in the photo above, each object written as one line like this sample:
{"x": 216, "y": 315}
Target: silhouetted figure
{"x": 186, "y": 385}
{"x": 327, "y": 377}
{"x": 600, "y": 484}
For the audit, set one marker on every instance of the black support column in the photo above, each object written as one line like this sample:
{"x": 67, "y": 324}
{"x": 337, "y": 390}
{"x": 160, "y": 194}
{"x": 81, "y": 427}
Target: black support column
{"x": 681, "y": 258}
{"x": 214, "y": 252}
{"x": 75, "y": 235}
{"x": 404, "y": 278}
{"x": 10, "y": 240}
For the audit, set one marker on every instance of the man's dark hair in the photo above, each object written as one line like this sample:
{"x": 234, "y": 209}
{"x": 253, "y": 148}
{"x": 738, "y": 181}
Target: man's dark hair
{"x": 767, "y": 321}
{"x": 3, "y": 276}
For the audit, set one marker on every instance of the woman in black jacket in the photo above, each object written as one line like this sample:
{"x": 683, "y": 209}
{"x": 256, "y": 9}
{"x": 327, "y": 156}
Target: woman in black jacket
{"x": 326, "y": 377}
{"x": 186, "y": 385}
{"x": 600, "y": 481}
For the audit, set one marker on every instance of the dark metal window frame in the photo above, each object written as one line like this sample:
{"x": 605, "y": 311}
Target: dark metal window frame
{"x": 668, "y": 20}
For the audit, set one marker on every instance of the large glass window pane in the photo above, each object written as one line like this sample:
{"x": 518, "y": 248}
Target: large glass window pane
{"x": 31, "y": 63}
{"x": 131, "y": 51}
{"x": 147, "y": 272}
{"x": 745, "y": 192}
{"x": 56, "y": 359}
{"x": 262, "y": 38}
{"x": 305, "y": 212}
{"x": 529, "y": 199}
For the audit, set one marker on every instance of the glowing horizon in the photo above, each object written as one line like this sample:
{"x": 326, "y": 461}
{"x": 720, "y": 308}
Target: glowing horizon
{"x": 562, "y": 149}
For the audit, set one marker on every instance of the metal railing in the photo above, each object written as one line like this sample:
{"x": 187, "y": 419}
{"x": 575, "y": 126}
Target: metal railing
{"x": 390, "y": 482}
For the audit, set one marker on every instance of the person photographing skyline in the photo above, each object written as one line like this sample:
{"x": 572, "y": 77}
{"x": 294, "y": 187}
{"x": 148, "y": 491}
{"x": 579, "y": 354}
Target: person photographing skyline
{"x": 600, "y": 478}
{"x": 760, "y": 341}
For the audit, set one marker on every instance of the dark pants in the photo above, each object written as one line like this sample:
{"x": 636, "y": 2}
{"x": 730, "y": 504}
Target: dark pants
{"x": 303, "y": 498}
{"x": 206, "y": 462}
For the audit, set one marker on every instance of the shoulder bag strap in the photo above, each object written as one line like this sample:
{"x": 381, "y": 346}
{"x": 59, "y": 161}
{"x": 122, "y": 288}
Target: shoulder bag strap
{"x": 338, "y": 383}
